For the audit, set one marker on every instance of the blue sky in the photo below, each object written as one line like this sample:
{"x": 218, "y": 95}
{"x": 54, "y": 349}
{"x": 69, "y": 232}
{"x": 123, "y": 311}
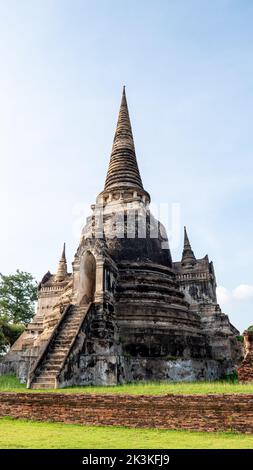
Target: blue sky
{"x": 187, "y": 66}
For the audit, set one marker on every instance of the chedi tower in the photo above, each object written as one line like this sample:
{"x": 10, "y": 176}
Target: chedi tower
{"x": 126, "y": 312}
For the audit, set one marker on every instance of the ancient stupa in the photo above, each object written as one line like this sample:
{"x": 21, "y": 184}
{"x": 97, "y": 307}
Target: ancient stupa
{"x": 126, "y": 312}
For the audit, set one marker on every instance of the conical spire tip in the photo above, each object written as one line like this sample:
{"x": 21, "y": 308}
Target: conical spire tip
{"x": 64, "y": 251}
{"x": 123, "y": 168}
{"x": 62, "y": 270}
{"x": 188, "y": 256}
{"x": 124, "y": 93}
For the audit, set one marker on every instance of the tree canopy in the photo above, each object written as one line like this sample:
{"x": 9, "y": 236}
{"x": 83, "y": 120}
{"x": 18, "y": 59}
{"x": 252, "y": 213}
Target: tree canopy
{"x": 18, "y": 293}
{"x": 9, "y": 333}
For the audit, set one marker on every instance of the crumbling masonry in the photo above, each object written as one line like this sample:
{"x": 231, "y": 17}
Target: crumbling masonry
{"x": 245, "y": 370}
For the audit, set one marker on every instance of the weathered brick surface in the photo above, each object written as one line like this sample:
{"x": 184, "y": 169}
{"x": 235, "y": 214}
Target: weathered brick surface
{"x": 193, "y": 412}
{"x": 245, "y": 371}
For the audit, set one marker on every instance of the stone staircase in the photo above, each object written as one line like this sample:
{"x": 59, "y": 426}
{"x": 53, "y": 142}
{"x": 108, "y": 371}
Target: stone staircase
{"x": 49, "y": 364}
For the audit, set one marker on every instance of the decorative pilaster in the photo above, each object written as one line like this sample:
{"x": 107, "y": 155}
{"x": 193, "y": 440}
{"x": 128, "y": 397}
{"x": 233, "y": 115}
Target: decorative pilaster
{"x": 99, "y": 292}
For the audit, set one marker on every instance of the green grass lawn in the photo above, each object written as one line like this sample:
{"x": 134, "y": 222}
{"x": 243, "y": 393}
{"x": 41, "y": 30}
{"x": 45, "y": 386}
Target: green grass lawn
{"x": 9, "y": 383}
{"x": 19, "y": 434}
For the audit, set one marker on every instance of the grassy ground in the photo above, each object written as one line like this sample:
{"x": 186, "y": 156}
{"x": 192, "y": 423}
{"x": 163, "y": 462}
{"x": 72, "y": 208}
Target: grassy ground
{"x": 10, "y": 383}
{"x": 17, "y": 434}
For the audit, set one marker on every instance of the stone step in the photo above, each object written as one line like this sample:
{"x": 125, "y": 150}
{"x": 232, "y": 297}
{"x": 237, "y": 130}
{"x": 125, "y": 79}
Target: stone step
{"x": 54, "y": 360}
{"x": 74, "y": 320}
{"x": 63, "y": 343}
{"x": 49, "y": 374}
{"x": 75, "y": 315}
{"x": 56, "y": 355}
{"x": 53, "y": 369}
{"x": 59, "y": 349}
{"x": 45, "y": 385}
{"x": 69, "y": 329}
{"x": 63, "y": 339}
{"x": 66, "y": 335}
{"x": 61, "y": 346}
{"x": 73, "y": 324}
{"x": 45, "y": 379}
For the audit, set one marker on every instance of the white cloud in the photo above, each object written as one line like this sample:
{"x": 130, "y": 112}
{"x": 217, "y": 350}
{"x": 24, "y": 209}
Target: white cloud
{"x": 223, "y": 295}
{"x": 243, "y": 292}
{"x": 239, "y": 293}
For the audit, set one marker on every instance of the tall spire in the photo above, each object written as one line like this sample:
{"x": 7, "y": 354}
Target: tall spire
{"x": 188, "y": 257}
{"x": 123, "y": 168}
{"x": 62, "y": 270}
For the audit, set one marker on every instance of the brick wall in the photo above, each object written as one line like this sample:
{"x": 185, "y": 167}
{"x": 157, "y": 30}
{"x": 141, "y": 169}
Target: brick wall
{"x": 194, "y": 412}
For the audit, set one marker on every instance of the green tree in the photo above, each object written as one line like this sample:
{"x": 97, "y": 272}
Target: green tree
{"x": 12, "y": 332}
{"x": 9, "y": 333}
{"x": 18, "y": 293}
{"x": 3, "y": 341}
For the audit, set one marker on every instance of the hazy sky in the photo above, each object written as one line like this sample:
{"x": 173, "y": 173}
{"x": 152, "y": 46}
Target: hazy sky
{"x": 187, "y": 66}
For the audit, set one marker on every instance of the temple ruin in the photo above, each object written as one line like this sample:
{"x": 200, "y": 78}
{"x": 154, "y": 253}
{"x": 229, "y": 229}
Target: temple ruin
{"x": 126, "y": 312}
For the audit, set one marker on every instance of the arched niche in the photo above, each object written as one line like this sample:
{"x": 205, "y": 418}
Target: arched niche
{"x": 87, "y": 285}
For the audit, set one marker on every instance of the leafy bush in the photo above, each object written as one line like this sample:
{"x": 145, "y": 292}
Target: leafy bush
{"x": 9, "y": 333}
{"x": 232, "y": 378}
{"x": 239, "y": 338}
{"x": 12, "y": 332}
